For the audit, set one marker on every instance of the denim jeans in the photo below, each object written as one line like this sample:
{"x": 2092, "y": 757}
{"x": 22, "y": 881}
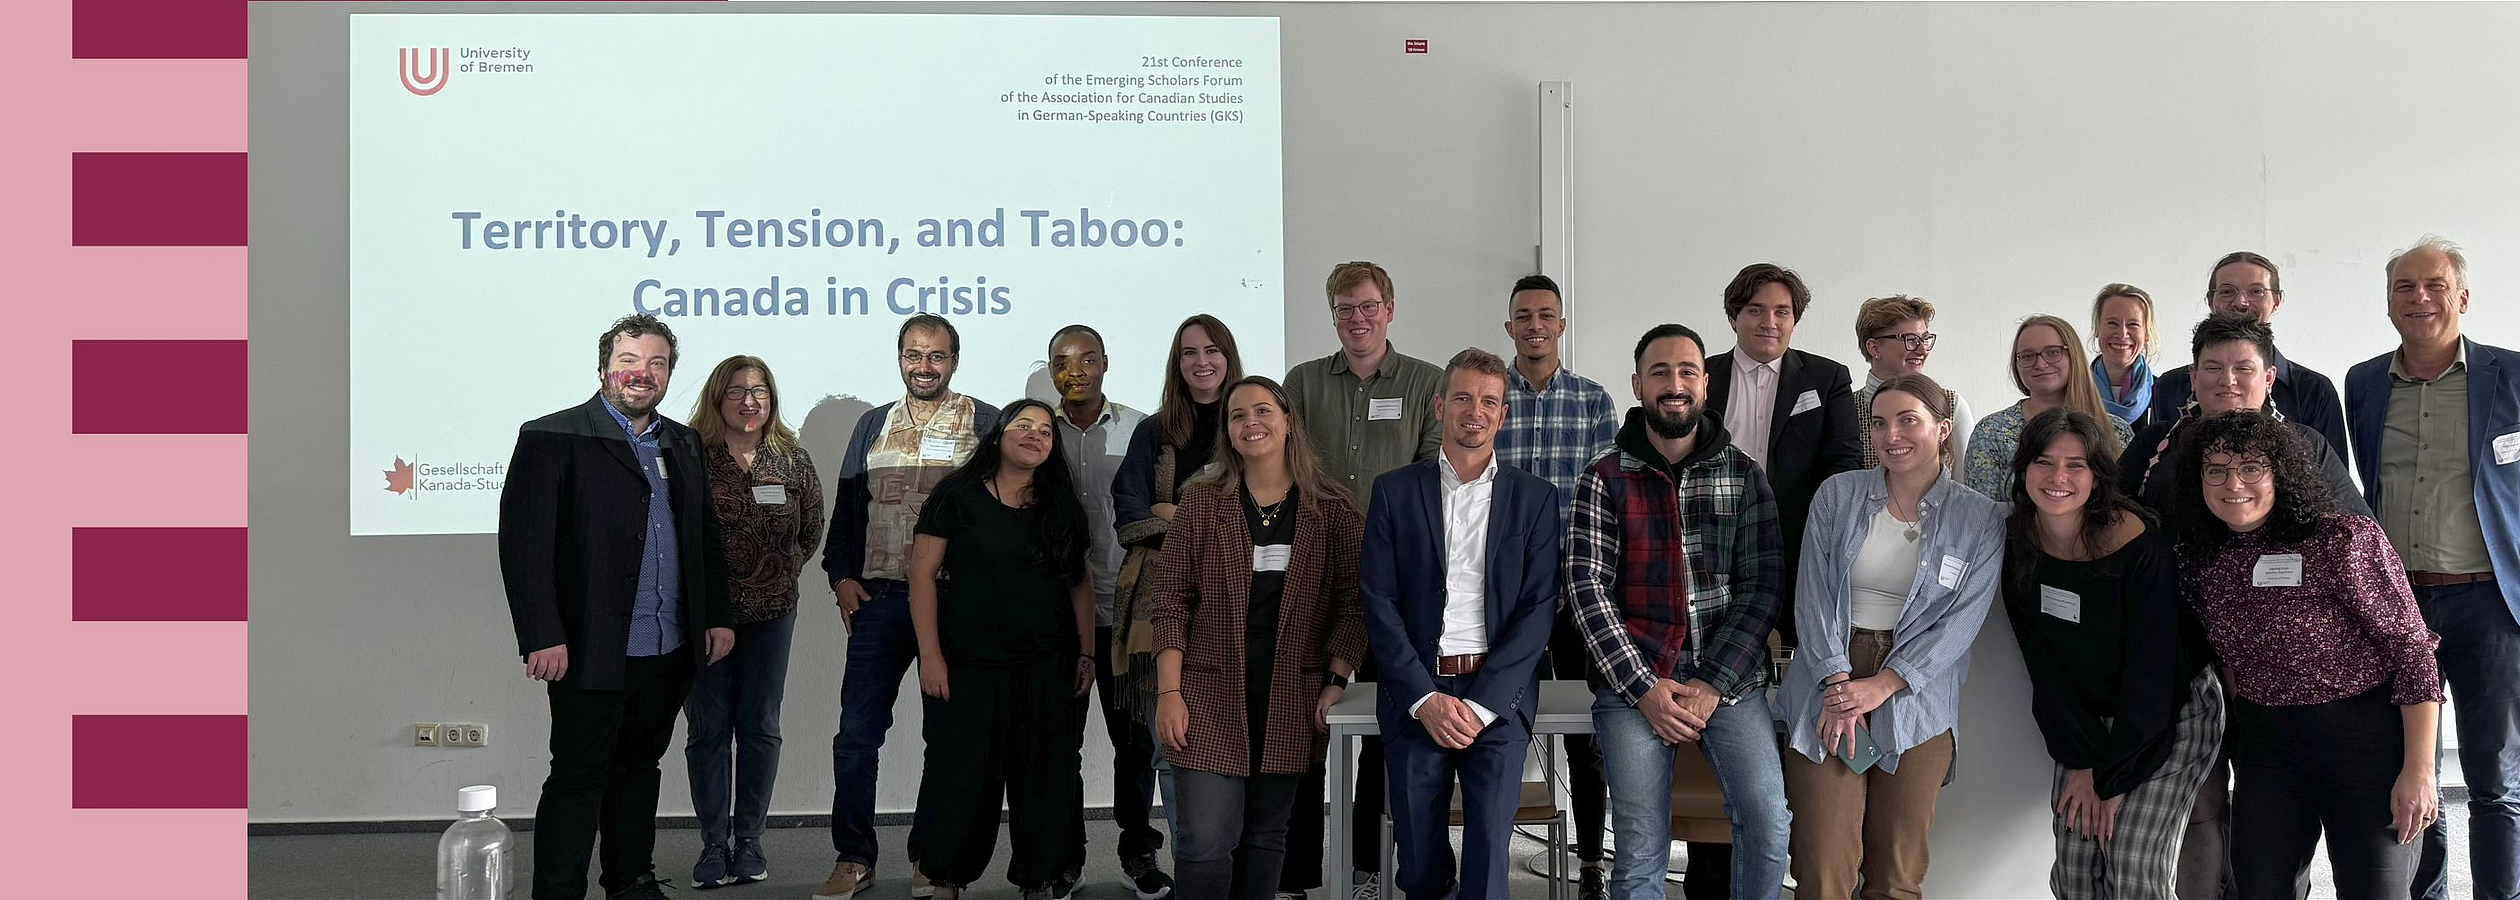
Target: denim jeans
{"x": 2480, "y": 649}
{"x": 1163, "y": 774}
{"x": 882, "y": 646}
{"x": 1740, "y": 743}
{"x": 732, "y": 736}
{"x": 1229, "y": 835}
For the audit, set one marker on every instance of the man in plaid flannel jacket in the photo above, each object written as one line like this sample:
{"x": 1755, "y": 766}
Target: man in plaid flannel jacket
{"x": 1673, "y": 561}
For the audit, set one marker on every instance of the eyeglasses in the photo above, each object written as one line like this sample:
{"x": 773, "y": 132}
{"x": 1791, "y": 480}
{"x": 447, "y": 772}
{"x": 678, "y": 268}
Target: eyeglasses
{"x": 1913, "y": 341}
{"x": 1366, "y": 310}
{"x": 757, "y": 392}
{"x": 2250, "y": 473}
{"x": 2052, "y": 355}
{"x": 2255, "y": 293}
{"x": 937, "y": 358}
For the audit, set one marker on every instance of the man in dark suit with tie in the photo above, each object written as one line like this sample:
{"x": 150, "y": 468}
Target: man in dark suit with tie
{"x": 1793, "y": 413}
{"x": 1459, "y": 580}
{"x": 617, "y": 584}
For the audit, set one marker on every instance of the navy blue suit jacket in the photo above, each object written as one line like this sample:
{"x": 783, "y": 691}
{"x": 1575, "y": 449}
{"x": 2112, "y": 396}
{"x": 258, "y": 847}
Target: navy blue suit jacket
{"x": 1401, "y": 583}
{"x": 2493, "y": 413}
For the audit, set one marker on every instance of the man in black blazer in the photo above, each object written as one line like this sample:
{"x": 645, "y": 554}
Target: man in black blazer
{"x": 617, "y": 584}
{"x": 1794, "y": 414}
{"x": 1459, "y": 580}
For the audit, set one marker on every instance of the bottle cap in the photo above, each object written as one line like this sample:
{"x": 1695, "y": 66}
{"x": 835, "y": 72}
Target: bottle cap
{"x": 477, "y": 798}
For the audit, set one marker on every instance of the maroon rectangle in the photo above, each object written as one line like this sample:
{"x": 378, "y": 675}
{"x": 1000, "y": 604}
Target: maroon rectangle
{"x": 1413, "y": 45}
{"x": 157, "y": 29}
{"x": 157, "y": 762}
{"x": 157, "y": 199}
{"x": 157, "y": 574}
{"x": 157, "y": 387}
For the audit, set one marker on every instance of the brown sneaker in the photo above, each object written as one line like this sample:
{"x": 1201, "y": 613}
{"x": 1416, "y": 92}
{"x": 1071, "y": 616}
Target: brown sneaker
{"x": 847, "y": 880}
{"x": 920, "y": 887}
{"x": 945, "y": 891}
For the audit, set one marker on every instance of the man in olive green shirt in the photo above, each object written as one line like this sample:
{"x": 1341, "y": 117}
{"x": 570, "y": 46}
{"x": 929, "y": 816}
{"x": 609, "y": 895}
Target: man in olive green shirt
{"x": 2436, "y": 424}
{"x": 1369, "y": 409}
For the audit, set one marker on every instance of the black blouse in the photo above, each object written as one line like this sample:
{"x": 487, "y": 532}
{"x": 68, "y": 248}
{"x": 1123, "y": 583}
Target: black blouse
{"x": 2128, "y": 660}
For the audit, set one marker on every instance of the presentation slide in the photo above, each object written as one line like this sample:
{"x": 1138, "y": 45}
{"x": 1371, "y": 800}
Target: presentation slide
{"x": 790, "y": 187}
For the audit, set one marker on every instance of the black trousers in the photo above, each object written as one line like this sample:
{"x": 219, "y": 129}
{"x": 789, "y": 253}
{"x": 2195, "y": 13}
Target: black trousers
{"x": 2302, "y": 770}
{"x": 1306, "y": 827}
{"x": 1568, "y": 661}
{"x": 604, "y": 750}
{"x": 1132, "y": 765}
{"x": 1003, "y": 734}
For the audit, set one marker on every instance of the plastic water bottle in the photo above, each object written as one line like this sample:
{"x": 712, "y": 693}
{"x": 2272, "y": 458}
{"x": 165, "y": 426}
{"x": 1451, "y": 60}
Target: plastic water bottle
{"x": 473, "y": 857}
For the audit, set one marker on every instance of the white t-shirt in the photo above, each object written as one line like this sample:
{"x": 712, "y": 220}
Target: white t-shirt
{"x": 1884, "y": 570}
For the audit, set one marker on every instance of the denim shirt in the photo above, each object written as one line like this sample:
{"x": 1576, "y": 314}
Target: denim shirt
{"x": 1962, "y": 532}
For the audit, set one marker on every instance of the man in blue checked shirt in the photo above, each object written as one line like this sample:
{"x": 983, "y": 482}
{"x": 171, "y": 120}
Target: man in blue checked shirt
{"x": 1561, "y": 421}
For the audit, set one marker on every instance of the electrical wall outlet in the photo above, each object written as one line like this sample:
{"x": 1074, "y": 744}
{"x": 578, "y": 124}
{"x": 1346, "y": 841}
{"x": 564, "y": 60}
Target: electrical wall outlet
{"x": 424, "y": 734}
{"x": 453, "y": 734}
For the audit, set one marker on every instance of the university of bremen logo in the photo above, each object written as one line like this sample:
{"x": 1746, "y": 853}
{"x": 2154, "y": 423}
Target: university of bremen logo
{"x": 424, "y": 70}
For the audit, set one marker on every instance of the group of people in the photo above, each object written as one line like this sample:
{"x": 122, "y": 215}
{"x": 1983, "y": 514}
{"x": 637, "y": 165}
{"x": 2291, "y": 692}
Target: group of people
{"x": 2235, "y": 648}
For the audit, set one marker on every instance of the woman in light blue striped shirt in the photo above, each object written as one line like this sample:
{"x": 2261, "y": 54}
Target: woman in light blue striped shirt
{"x": 1899, "y": 567}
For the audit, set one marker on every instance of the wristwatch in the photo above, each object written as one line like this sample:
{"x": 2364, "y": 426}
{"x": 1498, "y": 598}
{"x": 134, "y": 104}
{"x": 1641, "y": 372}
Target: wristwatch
{"x": 1331, "y": 679}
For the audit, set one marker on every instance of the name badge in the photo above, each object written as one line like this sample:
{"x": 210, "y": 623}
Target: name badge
{"x": 2062, "y": 604}
{"x": 1952, "y": 570}
{"x": 1810, "y": 400}
{"x": 2507, "y": 449}
{"x": 770, "y": 494}
{"x": 936, "y": 448}
{"x": 1383, "y": 410}
{"x": 2277, "y": 570}
{"x": 660, "y": 468}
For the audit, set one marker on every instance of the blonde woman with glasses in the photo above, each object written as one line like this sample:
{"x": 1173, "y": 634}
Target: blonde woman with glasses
{"x": 2047, "y": 365}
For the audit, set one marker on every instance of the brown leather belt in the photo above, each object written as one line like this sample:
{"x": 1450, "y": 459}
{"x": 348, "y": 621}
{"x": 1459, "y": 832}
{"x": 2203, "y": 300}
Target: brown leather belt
{"x": 2438, "y": 579}
{"x": 1459, "y": 665}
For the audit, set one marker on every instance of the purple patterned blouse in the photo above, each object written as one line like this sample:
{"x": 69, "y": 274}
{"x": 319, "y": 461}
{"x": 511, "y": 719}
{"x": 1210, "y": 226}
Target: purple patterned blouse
{"x": 2346, "y": 624}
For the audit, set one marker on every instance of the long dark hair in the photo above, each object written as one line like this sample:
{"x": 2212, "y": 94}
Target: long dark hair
{"x": 1053, "y": 491}
{"x": 2301, "y": 494}
{"x": 2101, "y": 509}
{"x": 1178, "y": 416}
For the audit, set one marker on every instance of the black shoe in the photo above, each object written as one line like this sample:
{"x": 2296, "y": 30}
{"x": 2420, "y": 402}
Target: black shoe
{"x": 1594, "y": 886}
{"x": 1146, "y": 879}
{"x": 646, "y": 888}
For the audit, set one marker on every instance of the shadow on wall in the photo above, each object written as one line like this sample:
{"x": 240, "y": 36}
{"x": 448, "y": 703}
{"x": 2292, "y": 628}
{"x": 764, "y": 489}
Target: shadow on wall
{"x": 1037, "y": 387}
{"x": 825, "y": 436}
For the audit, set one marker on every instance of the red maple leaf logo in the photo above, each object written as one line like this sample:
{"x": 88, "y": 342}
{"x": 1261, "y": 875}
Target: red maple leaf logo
{"x": 398, "y": 478}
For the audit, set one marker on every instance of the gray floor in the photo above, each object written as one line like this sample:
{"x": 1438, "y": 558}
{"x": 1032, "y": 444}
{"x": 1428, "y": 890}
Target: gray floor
{"x": 361, "y": 866}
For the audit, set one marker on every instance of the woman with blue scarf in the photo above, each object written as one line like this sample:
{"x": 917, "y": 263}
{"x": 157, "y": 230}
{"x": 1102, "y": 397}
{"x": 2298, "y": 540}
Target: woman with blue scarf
{"x": 2122, "y": 329}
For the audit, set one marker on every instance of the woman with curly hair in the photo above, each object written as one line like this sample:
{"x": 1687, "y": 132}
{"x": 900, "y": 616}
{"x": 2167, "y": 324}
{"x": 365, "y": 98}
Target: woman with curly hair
{"x": 2335, "y": 695}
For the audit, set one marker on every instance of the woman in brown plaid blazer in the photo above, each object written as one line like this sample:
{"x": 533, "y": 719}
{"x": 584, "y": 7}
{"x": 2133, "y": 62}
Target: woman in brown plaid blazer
{"x": 1259, "y": 568}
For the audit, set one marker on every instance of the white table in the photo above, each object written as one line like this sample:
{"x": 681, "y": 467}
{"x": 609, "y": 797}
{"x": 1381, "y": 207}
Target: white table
{"x": 1565, "y": 708}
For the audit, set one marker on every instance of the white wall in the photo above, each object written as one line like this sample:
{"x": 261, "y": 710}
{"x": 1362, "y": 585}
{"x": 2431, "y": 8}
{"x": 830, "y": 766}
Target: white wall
{"x": 1997, "y": 159}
